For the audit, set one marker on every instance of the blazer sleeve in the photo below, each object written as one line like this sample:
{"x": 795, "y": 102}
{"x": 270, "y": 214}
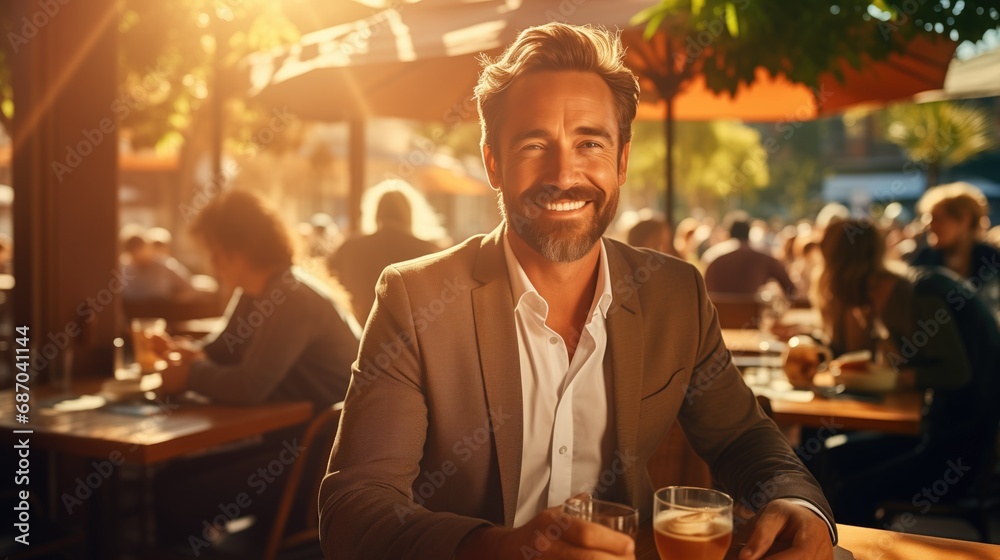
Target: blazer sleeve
{"x": 365, "y": 503}
{"x": 743, "y": 447}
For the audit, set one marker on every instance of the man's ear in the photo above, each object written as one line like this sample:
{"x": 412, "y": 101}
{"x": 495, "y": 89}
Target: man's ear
{"x": 491, "y": 167}
{"x": 623, "y": 163}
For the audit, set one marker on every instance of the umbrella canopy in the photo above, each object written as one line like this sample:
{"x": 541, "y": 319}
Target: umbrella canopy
{"x": 420, "y": 62}
{"x": 978, "y": 76}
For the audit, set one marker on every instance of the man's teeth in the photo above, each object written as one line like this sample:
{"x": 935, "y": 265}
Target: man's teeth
{"x": 565, "y": 206}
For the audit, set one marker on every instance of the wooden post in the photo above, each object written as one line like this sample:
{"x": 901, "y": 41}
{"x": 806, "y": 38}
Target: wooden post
{"x": 65, "y": 179}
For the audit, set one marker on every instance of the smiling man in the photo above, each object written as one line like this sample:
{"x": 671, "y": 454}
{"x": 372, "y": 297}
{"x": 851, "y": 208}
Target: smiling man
{"x": 560, "y": 363}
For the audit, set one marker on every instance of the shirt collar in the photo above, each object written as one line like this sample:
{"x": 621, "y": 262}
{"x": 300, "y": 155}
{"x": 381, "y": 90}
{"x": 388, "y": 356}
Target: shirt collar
{"x": 525, "y": 294}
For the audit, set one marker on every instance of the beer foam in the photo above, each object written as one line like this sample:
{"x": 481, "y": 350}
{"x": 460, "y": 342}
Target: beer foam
{"x": 692, "y": 525}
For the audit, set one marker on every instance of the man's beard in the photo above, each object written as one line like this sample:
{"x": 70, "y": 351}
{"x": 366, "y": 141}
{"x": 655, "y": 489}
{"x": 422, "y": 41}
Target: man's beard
{"x": 558, "y": 240}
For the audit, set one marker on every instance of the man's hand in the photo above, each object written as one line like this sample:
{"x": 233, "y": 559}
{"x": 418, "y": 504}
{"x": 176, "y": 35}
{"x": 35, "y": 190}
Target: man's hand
{"x": 175, "y": 378}
{"x": 550, "y": 535}
{"x": 790, "y": 530}
{"x": 174, "y": 348}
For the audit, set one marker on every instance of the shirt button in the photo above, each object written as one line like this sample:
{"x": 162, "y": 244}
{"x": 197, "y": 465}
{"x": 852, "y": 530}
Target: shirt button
{"x": 563, "y": 450}
{"x": 553, "y": 340}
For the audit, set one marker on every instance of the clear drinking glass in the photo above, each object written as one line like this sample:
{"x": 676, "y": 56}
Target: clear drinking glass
{"x": 692, "y": 523}
{"x": 621, "y": 518}
{"x": 142, "y": 332}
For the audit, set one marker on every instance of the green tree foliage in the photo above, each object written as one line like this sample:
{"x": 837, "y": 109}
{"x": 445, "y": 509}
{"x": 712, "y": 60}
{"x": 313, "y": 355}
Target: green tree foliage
{"x": 939, "y": 134}
{"x": 176, "y": 55}
{"x": 715, "y": 160}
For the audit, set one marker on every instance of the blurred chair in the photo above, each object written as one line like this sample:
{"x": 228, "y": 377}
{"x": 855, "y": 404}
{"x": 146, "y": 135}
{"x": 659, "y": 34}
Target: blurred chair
{"x": 736, "y": 311}
{"x": 317, "y": 440}
{"x": 296, "y": 521}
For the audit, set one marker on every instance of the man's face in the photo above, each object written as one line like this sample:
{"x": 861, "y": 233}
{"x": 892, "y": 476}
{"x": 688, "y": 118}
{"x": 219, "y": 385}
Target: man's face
{"x": 556, "y": 162}
{"x": 947, "y": 231}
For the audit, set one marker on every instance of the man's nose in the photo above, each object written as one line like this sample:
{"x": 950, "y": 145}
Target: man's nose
{"x": 562, "y": 169}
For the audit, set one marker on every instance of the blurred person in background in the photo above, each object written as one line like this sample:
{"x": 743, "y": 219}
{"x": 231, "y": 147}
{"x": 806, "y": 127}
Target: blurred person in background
{"x": 6, "y": 253}
{"x": 305, "y": 337}
{"x": 829, "y": 213}
{"x": 957, "y": 218}
{"x": 686, "y": 243}
{"x": 159, "y": 240}
{"x": 147, "y": 276}
{"x": 324, "y": 236}
{"x": 360, "y": 260}
{"x": 869, "y": 308}
{"x": 993, "y": 236}
{"x": 652, "y": 233}
{"x": 734, "y": 267}
{"x": 289, "y": 335}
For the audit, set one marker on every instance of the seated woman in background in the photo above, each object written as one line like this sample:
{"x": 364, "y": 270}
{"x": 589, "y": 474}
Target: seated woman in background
{"x": 288, "y": 335}
{"x": 957, "y": 216}
{"x": 924, "y": 330}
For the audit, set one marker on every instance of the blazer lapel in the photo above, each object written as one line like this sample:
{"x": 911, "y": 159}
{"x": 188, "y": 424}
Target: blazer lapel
{"x": 624, "y": 356}
{"x": 496, "y": 336}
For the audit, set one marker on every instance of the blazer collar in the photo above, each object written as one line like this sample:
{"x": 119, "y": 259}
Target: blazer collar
{"x": 624, "y": 358}
{"x": 496, "y": 336}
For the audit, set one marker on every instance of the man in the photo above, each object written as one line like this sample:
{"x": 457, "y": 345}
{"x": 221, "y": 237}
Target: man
{"x": 520, "y": 368}
{"x": 734, "y": 267}
{"x": 288, "y": 335}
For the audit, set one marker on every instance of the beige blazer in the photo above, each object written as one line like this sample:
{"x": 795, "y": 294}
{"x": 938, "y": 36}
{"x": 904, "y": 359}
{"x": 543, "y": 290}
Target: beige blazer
{"x": 429, "y": 446}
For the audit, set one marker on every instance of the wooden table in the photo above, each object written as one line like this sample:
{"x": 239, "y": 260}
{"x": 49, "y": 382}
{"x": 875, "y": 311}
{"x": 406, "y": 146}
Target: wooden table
{"x": 176, "y": 429}
{"x": 867, "y": 544}
{"x": 751, "y": 342}
{"x": 898, "y": 413}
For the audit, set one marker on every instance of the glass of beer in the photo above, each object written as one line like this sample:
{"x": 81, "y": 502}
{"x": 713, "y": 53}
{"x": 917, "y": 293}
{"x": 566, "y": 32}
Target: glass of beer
{"x": 142, "y": 346}
{"x": 621, "y": 518}
{"x": 692, "y": 523}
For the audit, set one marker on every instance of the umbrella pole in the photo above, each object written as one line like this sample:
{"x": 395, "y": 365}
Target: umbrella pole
{"x": 356, "y": 170}
{"x": 668, "y": 124}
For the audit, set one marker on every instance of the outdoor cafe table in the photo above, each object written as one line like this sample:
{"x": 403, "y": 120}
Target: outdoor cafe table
{"x": 866, "y": 544}
{"x": 176, "y": 429}
{"x": 896, "y": 413}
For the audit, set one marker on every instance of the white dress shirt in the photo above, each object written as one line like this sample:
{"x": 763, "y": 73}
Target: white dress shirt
{"x": 565, "y": 402}
{"x": 566, "y": 435}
